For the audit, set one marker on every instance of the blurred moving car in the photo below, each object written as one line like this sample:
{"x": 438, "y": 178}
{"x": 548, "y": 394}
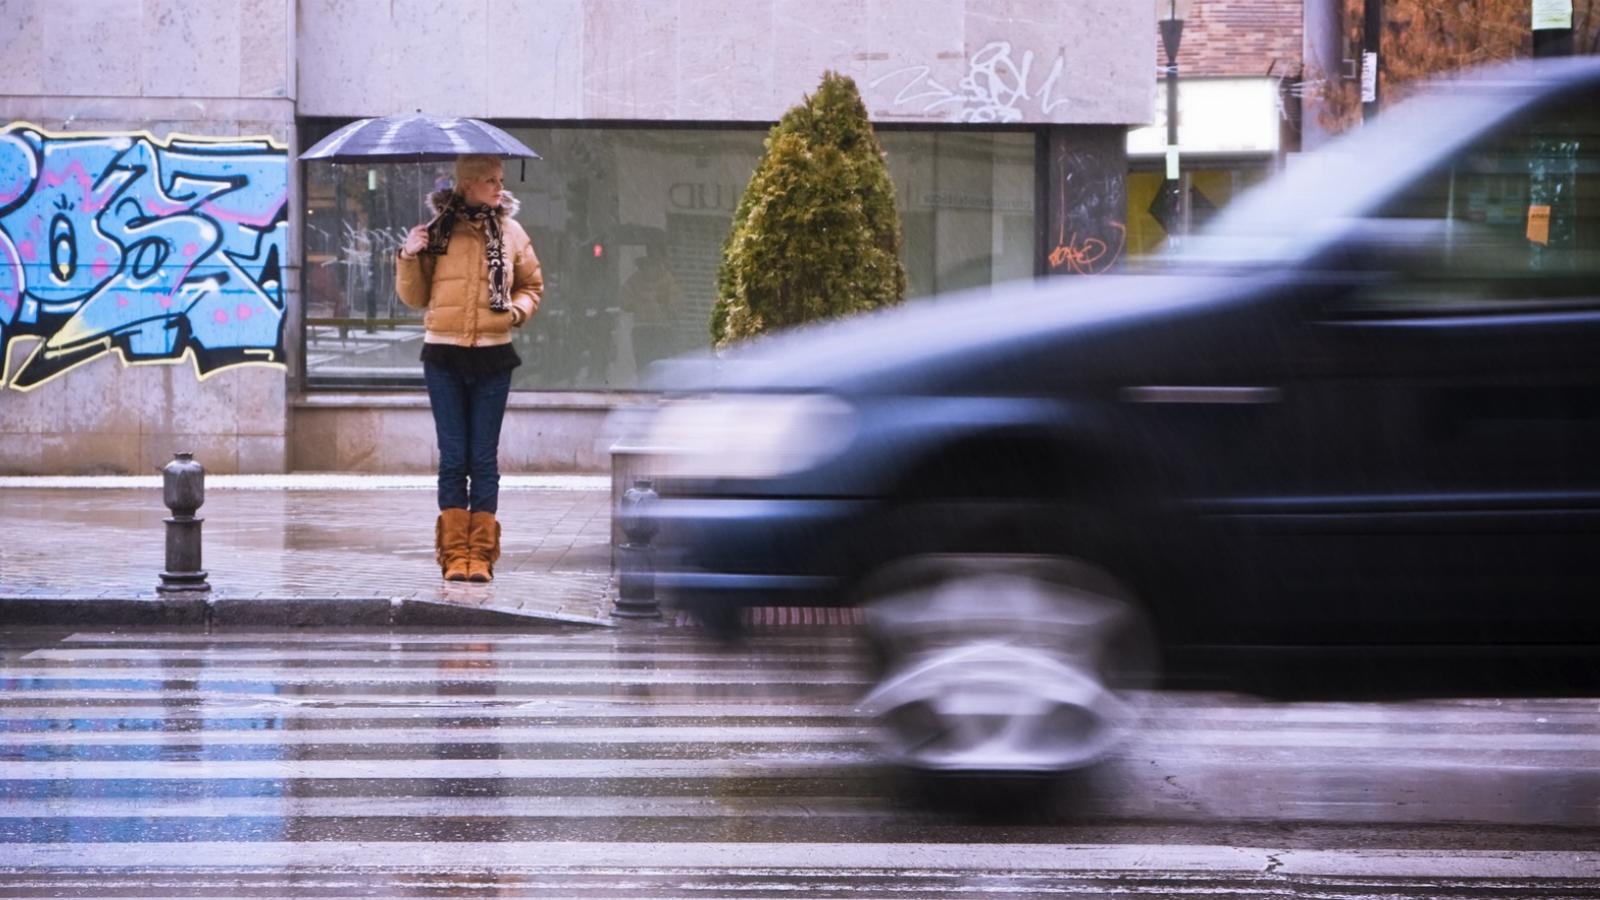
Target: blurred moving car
{"x": 1359, "y": 413}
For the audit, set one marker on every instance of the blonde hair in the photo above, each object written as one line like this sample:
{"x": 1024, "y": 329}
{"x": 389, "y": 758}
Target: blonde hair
{"x": 474, "y": 168}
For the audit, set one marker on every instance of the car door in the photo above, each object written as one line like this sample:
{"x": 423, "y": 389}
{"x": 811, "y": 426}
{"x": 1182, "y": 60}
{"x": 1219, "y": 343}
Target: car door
{"x": 1441, "y": 408}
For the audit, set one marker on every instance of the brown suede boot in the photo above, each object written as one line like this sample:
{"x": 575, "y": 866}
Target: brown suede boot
{"x": 483, "y": 547}
{"x": 450, "y": 544}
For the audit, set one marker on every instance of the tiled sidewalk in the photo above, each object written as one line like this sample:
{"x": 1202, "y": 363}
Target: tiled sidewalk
{"x": 292, "y": 537}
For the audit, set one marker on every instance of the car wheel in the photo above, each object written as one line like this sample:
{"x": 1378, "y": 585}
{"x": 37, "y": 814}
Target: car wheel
{"x": 998, "y": 664}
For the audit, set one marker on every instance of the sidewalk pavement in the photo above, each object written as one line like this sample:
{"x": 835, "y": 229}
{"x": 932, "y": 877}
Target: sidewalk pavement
{"x": 299, "y": 550}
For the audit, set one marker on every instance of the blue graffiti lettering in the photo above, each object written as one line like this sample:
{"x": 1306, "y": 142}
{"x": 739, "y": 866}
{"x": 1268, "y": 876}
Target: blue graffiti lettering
{"x": 159, "y": 251}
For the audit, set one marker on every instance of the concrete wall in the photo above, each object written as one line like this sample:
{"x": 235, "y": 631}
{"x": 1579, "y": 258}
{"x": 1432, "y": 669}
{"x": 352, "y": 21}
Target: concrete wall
{"x": 174, "y": 49}
{"x": 1086, "y": 61}
{"x": 392, "y": 432}
{"x": 139, "y": 73}
{"x": 103, "y": 418}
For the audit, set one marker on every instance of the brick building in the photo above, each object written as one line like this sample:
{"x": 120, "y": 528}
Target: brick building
{"x": 1239, "y": 68}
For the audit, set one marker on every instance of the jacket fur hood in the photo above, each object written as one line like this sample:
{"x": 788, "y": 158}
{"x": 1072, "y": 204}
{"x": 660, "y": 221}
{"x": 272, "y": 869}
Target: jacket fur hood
{"x": 509, "y": 205}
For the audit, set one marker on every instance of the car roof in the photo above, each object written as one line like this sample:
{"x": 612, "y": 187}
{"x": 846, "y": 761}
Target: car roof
{"x": 1295, "y": 213}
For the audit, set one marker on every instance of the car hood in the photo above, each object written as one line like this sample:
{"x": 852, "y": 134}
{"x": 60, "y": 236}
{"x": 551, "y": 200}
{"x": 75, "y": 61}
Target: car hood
{"x": 938, "y": 339}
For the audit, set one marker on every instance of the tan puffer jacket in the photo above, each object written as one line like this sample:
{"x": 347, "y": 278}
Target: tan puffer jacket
{"x": 454, "y": 288}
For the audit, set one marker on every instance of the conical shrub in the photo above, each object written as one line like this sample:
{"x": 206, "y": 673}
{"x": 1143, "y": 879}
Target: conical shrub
{"x": 816, "y": 234}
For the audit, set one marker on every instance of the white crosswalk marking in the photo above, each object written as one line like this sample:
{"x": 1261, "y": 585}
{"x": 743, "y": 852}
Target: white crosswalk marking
{"x": 605, "y": 763}
{"x": 109, "y": 678}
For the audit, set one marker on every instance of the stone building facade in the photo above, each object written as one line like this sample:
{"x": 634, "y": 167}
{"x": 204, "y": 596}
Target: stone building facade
{"x": 171, "y": 277}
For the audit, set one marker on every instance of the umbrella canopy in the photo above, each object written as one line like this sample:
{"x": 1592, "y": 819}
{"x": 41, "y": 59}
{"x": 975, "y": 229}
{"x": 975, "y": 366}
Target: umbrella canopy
{"x": 415, "y": 138}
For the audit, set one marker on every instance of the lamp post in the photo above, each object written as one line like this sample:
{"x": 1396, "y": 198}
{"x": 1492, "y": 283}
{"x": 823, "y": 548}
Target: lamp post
{"x": 1169, "y": 18}
{"x": 1371, "y": 46}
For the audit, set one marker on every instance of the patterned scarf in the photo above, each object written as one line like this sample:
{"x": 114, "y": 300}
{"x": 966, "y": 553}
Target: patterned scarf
{"x": 439, "y": 241}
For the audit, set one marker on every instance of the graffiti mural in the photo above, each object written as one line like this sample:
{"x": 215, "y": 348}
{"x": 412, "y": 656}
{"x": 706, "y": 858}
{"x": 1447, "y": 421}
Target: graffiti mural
{"x": 159, "y": 251}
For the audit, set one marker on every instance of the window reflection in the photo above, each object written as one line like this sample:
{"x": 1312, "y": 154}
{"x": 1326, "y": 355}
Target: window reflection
{"x": 629, "y": 224}
{"x": 1514, "y": 216}
{"x": 357, "y": 330}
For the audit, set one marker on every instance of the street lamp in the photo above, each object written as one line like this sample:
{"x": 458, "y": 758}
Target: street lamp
{"x": 1169, "y": 18}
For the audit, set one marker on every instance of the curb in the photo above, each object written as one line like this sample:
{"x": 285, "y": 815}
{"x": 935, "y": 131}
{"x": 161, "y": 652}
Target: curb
{"x": 208, "y": 611}
{"x": 74, "y": 611}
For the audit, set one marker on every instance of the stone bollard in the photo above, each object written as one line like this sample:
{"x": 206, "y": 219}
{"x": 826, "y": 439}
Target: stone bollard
{"x": 636, "y": 583}
{"x": 183, "y": 489}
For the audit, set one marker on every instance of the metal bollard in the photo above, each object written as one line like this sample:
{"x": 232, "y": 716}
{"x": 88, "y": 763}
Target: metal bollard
{"x": 183, "y": 489}
{"x": 636, "y": 582}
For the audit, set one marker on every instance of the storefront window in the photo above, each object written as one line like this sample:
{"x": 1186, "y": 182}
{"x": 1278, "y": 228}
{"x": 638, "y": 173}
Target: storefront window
{"x": 966, "y": 206}
{"x": 629, "y": 224}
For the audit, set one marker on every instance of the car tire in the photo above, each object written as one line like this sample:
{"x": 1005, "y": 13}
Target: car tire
{"x": 994, "y": 664}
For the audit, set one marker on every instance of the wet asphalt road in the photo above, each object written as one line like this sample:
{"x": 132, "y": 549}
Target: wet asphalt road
{"x": 616, "y": 763}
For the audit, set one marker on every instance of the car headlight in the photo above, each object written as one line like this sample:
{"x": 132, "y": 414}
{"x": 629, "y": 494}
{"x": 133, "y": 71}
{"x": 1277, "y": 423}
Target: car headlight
{"x": 748, "y": 435}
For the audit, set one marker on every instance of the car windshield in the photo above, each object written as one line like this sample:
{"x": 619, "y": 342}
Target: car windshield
{"x": 1295, "y": 213}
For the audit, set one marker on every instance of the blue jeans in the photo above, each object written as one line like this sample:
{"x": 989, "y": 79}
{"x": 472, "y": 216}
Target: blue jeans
{"x": 467, "y": 413}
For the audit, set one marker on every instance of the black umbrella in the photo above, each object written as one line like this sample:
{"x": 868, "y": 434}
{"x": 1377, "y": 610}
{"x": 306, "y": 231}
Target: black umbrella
{"x": 415, "y": 138}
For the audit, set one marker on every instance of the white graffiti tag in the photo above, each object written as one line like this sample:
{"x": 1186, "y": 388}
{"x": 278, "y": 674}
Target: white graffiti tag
{"x": 991, "y": 91}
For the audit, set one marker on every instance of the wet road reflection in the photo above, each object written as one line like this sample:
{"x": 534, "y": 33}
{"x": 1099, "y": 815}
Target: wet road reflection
{"x": 620, "y": 764}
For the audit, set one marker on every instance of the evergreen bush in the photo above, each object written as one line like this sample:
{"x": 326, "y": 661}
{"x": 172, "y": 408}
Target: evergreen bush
{"x": 816, "y": 234}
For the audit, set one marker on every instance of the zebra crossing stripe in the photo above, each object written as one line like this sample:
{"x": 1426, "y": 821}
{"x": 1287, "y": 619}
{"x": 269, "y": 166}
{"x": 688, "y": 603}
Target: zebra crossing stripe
{"x": 673, "y": 767}
{"x": 787, "y": 765}
{"x": 400, "y": 639}
{"x": 225, "y": 714}
{"x": 905, "y": 860}
{"x": 170, "y": 656}
{"x": 542, "y": 734}
{"x": 562, "y": 806}
{"x": 554, "y": 732}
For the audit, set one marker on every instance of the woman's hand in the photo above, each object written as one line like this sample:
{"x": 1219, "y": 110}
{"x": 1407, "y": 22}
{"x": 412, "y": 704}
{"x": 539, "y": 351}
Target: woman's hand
{"x": 416, "y": 240}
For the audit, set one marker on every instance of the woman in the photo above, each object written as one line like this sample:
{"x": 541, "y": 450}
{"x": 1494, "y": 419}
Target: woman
{"x": 473, "y": 269}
